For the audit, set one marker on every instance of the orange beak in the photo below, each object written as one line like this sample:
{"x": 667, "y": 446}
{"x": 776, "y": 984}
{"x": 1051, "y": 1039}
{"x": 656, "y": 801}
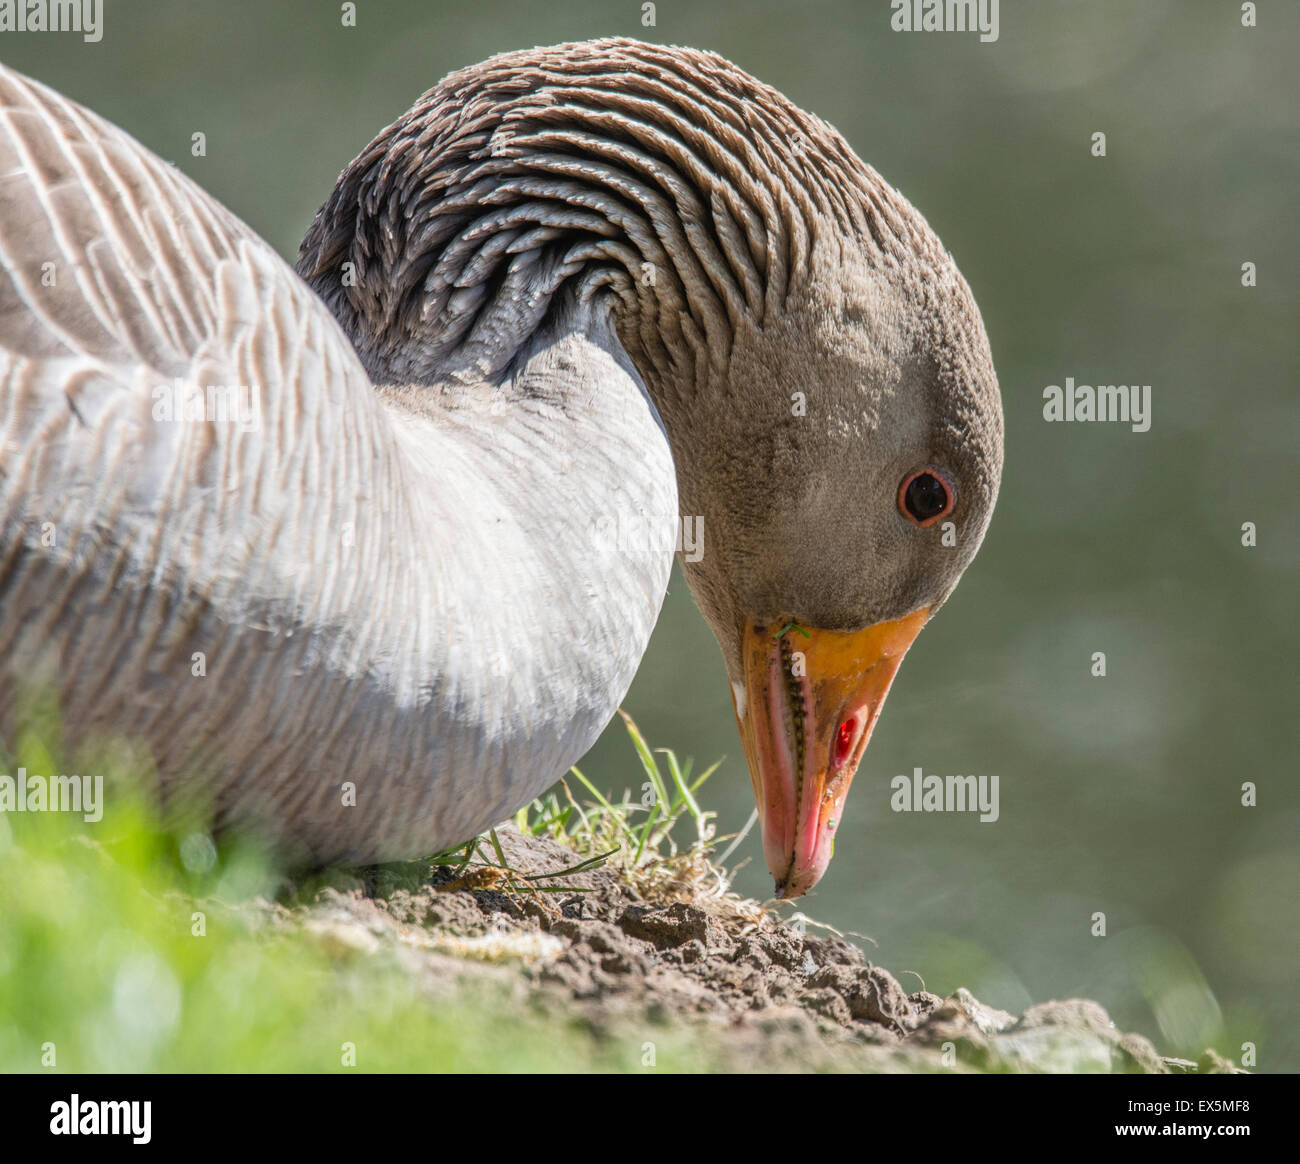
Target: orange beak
{"x": 811, "y": 698}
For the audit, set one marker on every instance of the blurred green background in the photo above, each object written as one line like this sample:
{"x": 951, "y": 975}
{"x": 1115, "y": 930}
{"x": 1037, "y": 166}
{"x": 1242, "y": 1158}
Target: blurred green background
{"x": 1119, "y": 794}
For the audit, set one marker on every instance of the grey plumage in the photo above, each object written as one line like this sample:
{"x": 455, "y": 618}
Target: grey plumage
{"x": 585, "y": 279}
{"x": 781, "y": 264}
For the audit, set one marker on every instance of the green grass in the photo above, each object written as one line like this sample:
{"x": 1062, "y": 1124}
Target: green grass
{"x": 103, "y": 966}
{"x": 644, "y": 842}
{"x": 638, "y": 837}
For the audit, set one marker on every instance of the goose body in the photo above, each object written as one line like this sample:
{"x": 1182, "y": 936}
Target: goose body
{"x": 388, "y": 595}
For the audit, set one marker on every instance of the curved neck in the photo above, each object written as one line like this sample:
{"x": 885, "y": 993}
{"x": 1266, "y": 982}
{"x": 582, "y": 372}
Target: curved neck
{"x": 690, "y": 195}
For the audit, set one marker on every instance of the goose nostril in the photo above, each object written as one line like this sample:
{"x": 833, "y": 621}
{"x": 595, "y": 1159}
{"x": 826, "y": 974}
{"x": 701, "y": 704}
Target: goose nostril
{"x": 845, "y": 738}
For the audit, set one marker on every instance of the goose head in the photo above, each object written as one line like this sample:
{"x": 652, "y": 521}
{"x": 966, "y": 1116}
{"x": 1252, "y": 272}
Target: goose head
{"x": 817, "y": 361}
{"x": 842, "y": 494}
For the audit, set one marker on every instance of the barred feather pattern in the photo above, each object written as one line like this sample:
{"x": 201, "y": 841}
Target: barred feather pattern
{"x": 687, "y": 188}
{"x": 356, "y": 598}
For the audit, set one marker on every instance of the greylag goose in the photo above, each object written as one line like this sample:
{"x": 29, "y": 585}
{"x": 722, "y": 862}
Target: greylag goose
{"x": 369, "y": 554}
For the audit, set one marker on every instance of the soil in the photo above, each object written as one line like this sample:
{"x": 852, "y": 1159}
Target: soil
{"x": 764, "y": 994}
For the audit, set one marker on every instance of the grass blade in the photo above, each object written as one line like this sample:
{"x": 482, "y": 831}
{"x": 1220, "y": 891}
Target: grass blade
{"x": 679, "y": 779}
{"x": 646, "y": 757}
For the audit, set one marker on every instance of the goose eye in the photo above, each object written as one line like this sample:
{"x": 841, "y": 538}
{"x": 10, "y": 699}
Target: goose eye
{"x": 924, "y": 497}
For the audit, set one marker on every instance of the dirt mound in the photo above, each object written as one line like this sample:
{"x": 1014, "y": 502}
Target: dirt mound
{"x": 768, "y": 995}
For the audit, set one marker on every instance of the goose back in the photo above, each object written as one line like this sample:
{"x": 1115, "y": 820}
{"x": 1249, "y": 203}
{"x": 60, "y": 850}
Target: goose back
{"x": 373, "y": 622}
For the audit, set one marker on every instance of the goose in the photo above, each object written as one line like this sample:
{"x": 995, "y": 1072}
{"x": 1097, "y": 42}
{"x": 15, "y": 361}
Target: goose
{"x": 366, "y": 555}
